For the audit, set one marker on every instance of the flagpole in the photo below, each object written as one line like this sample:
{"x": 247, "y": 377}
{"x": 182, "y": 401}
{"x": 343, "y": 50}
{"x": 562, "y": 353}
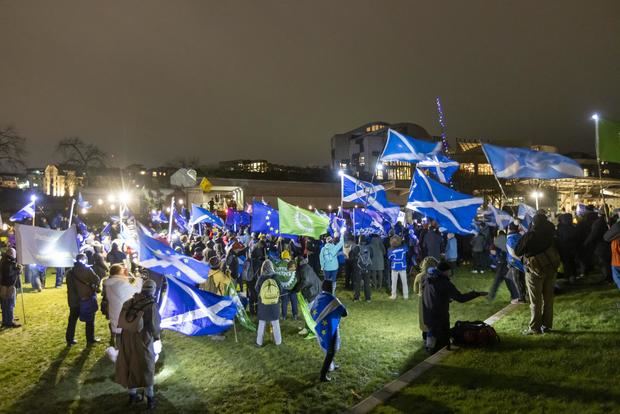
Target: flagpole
{"x": 34, "y": 209}
{"x": 71, "y": 212}
{"x": 21, "y": 292}
{"x": 598, "y": 164}
{"x": 494, "y": 174}
{"x": 170, "y": 220}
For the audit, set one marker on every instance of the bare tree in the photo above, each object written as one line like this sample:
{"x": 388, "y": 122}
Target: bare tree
{"x": 12, "y": 148}
{"x": 80, "y": 155}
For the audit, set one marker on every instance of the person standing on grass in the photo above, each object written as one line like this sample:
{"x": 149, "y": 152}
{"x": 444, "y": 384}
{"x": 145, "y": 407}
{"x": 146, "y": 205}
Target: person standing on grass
{"x": 268, "y": 289}
{"x": 329, "y": 258}
{"x": 501, "y": 271}
{"x": 613, "y": 236}
{"x": 139, "y": 321}
{"x": 428, "y": 262}
{"x": 452, "y": 254}
{"x": 478, "y": 246}
{"x": 438, "y": 291}
{"x": 541, "y": 264}
{"x": 378, "y": 265}
{"x": 327, "y": 311}
{"x": 82, "y": 287}
{"x": 9, "y": 281}
{"x": 362, "y": 254}
{"x": 117, "y": 289}
{"x": 397, "y": 255}
{"x": 567, "y": 238}
{"x": 516, "y": 270}
{"x": 432, "y": 242}
{"x": 601, "y": 248}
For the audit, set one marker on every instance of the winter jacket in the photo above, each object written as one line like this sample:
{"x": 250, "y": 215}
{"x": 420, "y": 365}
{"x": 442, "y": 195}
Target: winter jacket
{"x": 267, "y": 312}
{"x": 117, "y": 290}
{"x": 567, "y": 236}
{"x": 82, "y": 283}
{"x": 432, "y": 244}
{"x": 538, "y": 239}
{"x": 437, "y": 292}
{"x": 308, "y": 283}
{"x": 135, "y": 365}
{"x": 596, "y": 241}
{"x": 329, "y": 255}
{"x": 9, "y": 271}
{"x": 378, "y": 254}
{"x": 478, "y": 243}
{"x": 99, "y": 266}
{"x": 452, "y": 250}
{"x": 116, "y": 256}
{"x": 613, "y": 236}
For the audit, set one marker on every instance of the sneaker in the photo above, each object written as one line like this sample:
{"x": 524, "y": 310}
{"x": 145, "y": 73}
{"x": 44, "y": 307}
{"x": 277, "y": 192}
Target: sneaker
{"x": 135, "y": 398}
{"x": 529, "y": 332}
{"x": 325, "y": 379}
{"x": 303, "y": 332}
{"x": 482, "y": 271}
{"x": 515, "y": 302}
{"x": 545, "y": 330}
{"x": 393, "y": 297}
{"x": 367, "y": 300}
{"x": 474, "y": 271}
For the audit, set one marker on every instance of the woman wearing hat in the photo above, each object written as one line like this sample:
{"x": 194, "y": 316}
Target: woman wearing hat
{"x": 140, "y": 324}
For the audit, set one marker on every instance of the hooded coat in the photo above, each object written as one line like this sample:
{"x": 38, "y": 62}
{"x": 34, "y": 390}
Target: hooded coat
{"x": 135, "y": 365}
{"x": 117, "y": 290}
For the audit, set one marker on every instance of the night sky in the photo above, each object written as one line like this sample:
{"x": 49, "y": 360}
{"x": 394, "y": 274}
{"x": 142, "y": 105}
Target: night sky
{"x": 150, "y": 81}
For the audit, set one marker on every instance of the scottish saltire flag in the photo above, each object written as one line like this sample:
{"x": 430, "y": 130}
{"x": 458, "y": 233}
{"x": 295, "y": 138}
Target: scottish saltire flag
{"x": 27, "y": 212}
{"x": 162, "y": 259}
{"x": 441, "y": 166}
{"x": 327, "y": 311}
{"x": 300, "y": 222}
{"x": 526, "y": 213}
{"x": 83, "y": 203}
{"x": 81, "y": 226}
{"x": 180, "y": 221}
{"x": 452, "y": 210}
{"x": 511, "y": 244}
{"x": 105, "y": 231}
{"x": 265, "y": 219}
{"x": 202, "y": 215}
{"x": 191, "y": 311}
{"x": 495, "y": 217}
{"x": 158, "y": 216}
{"x": 525, "y": 163}
{"x": 336, "y": 224}
{"x": 366, "y": 222}
{"x": 400, "y": 147}
{"x": 371, "y": 195}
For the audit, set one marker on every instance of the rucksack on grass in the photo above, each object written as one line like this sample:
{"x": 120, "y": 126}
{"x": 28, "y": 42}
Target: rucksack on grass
{"x": 269, "y": 292}
{"x": 474, "y": 334}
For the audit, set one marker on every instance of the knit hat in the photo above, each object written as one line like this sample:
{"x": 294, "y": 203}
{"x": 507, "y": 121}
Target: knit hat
{"x": 148, "y": 287}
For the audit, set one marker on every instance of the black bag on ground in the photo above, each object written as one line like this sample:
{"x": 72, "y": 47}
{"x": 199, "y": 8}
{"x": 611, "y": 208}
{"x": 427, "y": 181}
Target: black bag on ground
{"x": 474, "y": 334}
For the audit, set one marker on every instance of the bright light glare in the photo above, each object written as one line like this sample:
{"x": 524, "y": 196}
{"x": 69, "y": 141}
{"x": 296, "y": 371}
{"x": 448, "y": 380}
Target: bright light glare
{"x": 5, "y": 227}
{"x": 310, "y": 207}
{"x": 100, "y": 202}
{"x": 341, "y": 172}
{"x": 33, "y": 198}
{"x": 111, "y": 198}
{"x": 84, "y": 211}
{"x": 380, "y": 167}
{"x": 112, "y": 207}
{"x": 124, "y": 197}
{"x": 536, "y": 194}
{"x": 180, "y": 201}
{"x": 595, "y": 117}
{"x": 329, "y": 207}
{"x": 167, "y": 209}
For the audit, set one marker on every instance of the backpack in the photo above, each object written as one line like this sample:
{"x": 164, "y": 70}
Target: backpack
{"x": 364, "y": 259}
{"x": 132, "y": 319}
{"x": 269, "y": 292}
{"x": 232, "y": 264}
{"x": 475, "y": 334}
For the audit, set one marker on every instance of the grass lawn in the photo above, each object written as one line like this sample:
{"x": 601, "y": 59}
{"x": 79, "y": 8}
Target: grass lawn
{"x": 576, "y": 369}
{"x": 380, "y": 340}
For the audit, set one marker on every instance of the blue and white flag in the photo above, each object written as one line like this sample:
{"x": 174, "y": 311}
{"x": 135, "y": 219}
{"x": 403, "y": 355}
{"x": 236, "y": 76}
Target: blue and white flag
{"x": 525, "y": 163}
{"x": 452, "y": 210}
{"x": 158, "y": 216}
{"x": 440, "y": 165}
{"x": 27, "y": 212}
{"x": 83, "y": 203}
{"x": 400, "y": 147}
{"x": 162, "y": 259}
{"x": 180, "y": 221}
{"x": 195, "y": 312}
{"x": 371, "y": 195}
{"x": 526, "y": 213}
{"x": 45, "y": 247}
{"x": 202, "y": 215}
{"x": 366, "y": 222}
{"x": 495, "y": 217}
{"x": 327, "y": 311}
{"x": 511, "y": 244}
{"x": 265, "y": 219}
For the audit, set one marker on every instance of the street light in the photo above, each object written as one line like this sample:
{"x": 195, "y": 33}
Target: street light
{"x": 180, "y": 201}
{"x": 100, "y": 202}
{"x": 340, "y": 172}
{"x": 536, "y": 195}
{"x": 123, "y": 197}
{"x": 595, "y": 117}
{"x": 84, "y": 211}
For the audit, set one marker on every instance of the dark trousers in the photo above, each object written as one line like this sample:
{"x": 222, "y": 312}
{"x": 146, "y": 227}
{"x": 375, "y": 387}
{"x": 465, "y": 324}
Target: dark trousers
{"x": 252, "y": 296}
{"x": 358, "y": 277}
{"x": 501, "y": 275}
{"x": 60, "y": 275}
{"x": 329, "y": 356}
{"x": 349, "y": 276}
{"x": 478, "y": 261}
{"x": 286, "y": 298}
{"x": 518, "y": 279}
{"x": 74, "y": 315}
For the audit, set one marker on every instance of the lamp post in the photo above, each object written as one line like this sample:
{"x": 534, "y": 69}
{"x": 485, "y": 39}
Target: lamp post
{"x": 537, "y": 195}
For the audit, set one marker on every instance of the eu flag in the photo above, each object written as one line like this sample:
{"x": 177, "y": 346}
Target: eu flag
{"x": 327, "y": 311}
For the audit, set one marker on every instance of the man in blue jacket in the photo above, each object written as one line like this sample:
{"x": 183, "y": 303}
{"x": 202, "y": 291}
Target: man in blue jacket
{"x": 397, "y": 255}
{"x": 329, "y": 258}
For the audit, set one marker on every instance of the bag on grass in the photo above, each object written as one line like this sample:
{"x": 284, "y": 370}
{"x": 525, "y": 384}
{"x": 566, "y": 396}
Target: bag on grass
{"x": 269, "y": 292}
{"x": 475, "y": 334}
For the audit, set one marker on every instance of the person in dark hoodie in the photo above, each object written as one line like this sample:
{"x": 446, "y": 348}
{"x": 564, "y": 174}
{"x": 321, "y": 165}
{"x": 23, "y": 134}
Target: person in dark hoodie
{"x": 9, "y": 281}
{"x": 567, "y": 239}
{"x": 585, "y": 252}
{"x": 437, "y": 292}
{"x": 541, "y": 260}
{"x": 601, "y": 248}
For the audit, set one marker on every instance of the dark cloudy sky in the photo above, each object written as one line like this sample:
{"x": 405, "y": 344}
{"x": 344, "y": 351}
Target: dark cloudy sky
{"x": 152, "y": 80}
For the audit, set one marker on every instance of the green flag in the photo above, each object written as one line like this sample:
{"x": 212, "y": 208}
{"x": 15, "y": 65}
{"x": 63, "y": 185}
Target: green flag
{"x": 609, "y": 140}
{"x": 242, "y": 315}
{"x": 297, "y": 221}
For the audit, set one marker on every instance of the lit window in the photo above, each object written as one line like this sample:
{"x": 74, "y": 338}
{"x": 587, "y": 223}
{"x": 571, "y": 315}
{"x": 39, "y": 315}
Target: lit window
{"x": 485, "y": 169}
{"x": 586, "y": 172}
{"x": 154, "y": 173}
{"x": 362, "y": 161}
{"x": 468, "y": 168}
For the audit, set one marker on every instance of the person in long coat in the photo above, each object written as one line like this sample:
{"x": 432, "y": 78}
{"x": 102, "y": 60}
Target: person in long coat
{"x": 135, "y": 365}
